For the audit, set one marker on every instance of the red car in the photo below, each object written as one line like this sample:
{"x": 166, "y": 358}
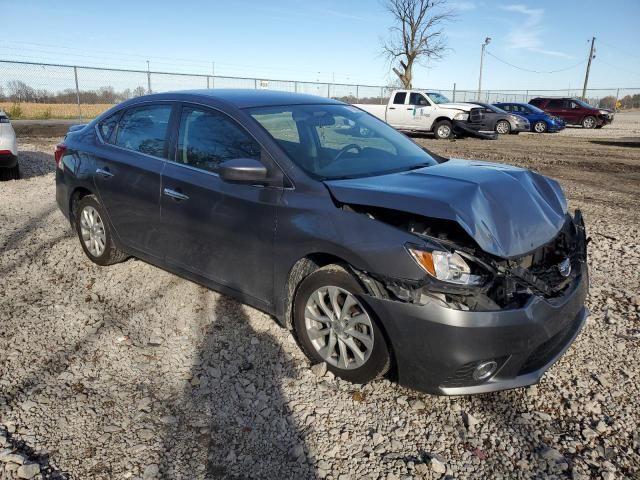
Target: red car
{"x": 575, "y": 111}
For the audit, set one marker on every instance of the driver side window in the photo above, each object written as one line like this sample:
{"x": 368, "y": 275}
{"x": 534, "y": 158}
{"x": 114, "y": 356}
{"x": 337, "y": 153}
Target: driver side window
{"x": 208, "y": 138}
{"x": 418, "y": 100}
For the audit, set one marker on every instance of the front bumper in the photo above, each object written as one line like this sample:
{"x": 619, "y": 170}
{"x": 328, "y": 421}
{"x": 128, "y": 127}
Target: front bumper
{"x": 437, "y": 348}
{"x": 520, "y": 126}
{"x": 605, "y": 119}
{"x": 8, "y": 160}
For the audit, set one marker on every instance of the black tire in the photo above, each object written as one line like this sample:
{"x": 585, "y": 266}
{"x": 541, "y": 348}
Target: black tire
{"x": 506, "y": 125}
{"x": 441, "y": 128}
{"x": 111, "y": 254}
{"x": 599, "y": 126}
{"x": 379, "y": 360}
{"x": 540, "y": 127}
{"x": 589, "y": 122}
{"x": 12, "y": 173}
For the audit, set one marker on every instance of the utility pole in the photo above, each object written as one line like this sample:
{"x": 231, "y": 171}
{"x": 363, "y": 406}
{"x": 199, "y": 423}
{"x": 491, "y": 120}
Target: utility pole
{"x": 586, "y": 75}
{"x": 486, "y": 42}
{"x": 148, "y": 78}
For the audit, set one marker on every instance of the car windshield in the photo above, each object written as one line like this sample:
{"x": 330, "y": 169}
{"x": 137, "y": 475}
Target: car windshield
{"x": 438, "y": 98}
{"x": 339, "y": 141}
{"x": 582, "y": 103}
{"x": 493, "y": 108}
{"x": 534, "y": 109}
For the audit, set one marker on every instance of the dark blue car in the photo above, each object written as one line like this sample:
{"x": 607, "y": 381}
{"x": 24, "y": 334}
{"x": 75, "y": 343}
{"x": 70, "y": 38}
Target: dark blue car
{"x": 457, "y": 276}
{"x": 539, "y": 120}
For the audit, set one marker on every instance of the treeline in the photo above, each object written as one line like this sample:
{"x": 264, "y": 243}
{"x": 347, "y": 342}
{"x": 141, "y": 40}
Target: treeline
{"x": 626, "y": 102}
{"x": 17, "y": 91}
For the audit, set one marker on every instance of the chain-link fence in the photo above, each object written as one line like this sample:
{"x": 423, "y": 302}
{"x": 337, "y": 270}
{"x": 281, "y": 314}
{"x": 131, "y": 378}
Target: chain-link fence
{"x": 43, "y": 91}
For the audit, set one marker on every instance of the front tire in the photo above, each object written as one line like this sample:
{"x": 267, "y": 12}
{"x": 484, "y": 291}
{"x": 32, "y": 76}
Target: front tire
{"x": 503, "y": 127}
{"x": 589, "y": 122}
{"x": 540, "y": 127}
{"x": 333, "y": 325}
{"x": 443, "y": 130}
{"x": 94, "y": 232}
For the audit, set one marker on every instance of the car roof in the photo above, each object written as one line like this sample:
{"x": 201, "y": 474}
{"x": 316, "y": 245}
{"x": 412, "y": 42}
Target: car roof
{"x": 245, "y": 98}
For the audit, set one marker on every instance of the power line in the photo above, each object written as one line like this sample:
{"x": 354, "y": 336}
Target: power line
{"x": 533, "y": 71}
{"x": 618, "y": 67}
{"x": 173, "y": 61}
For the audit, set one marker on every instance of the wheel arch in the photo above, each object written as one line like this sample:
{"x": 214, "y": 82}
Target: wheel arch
{"x": 77, "y": 194}
{"x": 439, "y": 119}
{"x": 302, "y": 268}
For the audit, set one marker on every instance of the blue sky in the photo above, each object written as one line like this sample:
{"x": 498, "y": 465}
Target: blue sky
{"x": 330, "y": 39}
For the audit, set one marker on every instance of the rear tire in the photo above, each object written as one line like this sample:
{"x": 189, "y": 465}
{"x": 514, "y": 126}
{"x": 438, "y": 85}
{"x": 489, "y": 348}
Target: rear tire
{"x": 94, "y": 232}
{"x": 333, "y": 325}
{"x": 540, "y": 127}
{"x": 589, "y": 122}
{"x": 503, "y": 127}
{"x": 12, "y": 173}
{"x": 443, "y": 130}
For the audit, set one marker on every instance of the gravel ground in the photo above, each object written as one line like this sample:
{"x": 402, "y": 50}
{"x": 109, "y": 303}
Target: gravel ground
{"x": 131, "y": 372}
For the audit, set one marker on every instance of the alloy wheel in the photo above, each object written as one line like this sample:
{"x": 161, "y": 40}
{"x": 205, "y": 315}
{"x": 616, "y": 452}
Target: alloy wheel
{"x": 589, "y": 122}
{"x": 93, "y": 231}
{"x": 339, "y": 327}
{"x": 444, "y": 131}
{"x": 503, "y": 128}
{"x": 540, "y": 127}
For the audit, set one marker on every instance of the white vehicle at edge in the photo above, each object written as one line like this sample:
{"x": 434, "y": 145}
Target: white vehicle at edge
{"x": 9, "y": 169}
{"x": 420, "y": 111}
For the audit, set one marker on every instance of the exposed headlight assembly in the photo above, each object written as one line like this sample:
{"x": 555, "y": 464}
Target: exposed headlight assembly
{"x": 461, "y": 116}
{"x": 445, "y": 266}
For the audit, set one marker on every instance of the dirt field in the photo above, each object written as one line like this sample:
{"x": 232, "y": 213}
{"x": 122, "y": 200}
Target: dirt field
{"x": 131, "y": 372}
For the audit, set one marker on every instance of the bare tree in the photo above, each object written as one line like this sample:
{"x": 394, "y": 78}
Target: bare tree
{"x": 417, "y": 35}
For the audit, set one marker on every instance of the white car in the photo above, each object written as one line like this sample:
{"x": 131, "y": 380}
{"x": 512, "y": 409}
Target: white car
{"x": 9, "y": 169}
{"x": 421, "y": 111}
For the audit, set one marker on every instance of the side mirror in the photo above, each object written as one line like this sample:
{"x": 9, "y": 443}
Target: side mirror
{"x": 246, "y": 171}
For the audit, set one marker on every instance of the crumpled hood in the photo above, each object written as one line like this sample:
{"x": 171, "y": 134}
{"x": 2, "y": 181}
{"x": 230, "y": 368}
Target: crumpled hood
{"x": 458, "y": 106}
{"x": 507, "y": 210}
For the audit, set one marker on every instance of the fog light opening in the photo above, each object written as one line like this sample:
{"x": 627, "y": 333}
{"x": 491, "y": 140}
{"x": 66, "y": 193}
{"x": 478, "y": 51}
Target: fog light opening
{"x": 485, "y": 370}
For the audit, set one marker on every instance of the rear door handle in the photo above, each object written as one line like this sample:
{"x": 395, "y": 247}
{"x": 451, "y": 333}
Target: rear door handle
{"x": 104, "y": 172}
{"x": 175, "y": 195}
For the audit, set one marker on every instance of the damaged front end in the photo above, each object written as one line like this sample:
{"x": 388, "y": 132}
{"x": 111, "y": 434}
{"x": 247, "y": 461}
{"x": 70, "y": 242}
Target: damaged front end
{"x": 480, "y": 281}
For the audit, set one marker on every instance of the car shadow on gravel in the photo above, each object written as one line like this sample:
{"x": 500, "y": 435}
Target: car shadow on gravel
{"x": 233, "y": 420}
{"x": 35, "y": 164}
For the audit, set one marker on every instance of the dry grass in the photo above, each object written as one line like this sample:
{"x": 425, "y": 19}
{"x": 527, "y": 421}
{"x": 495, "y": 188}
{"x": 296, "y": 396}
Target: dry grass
{"x": 40, "y": 111}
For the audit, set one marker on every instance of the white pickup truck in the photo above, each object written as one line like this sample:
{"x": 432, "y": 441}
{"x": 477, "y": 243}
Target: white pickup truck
{"x": 420, "y": 111}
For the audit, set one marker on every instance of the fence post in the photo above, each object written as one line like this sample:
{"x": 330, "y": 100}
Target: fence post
{"x": 357, "y": 93}
{"x": 255, "y": 83}
{"x": 381, "y": 95}
{"x": 615, "y": 105}
{"x": 207, "y": 81}
{"x": 454, "y": 92}
{"x": 328, "y": 90}
{"x": 75, "y": 74}
{"x": 295, "y": 87}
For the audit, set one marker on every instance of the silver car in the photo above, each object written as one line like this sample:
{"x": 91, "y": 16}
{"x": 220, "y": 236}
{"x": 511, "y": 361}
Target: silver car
{"x": 9, "y": 169}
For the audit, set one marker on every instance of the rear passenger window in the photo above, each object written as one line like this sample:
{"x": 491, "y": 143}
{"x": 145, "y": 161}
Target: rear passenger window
{"x": 208, "y": 138}
{"x": 107, "y": 126}
{"x": 400, "y": 98}
{"x": 144, "y": 129}
{"x": 557, "y": 103}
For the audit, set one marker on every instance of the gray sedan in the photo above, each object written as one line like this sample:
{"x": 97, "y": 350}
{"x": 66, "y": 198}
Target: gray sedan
{"x": 493, "y": 119}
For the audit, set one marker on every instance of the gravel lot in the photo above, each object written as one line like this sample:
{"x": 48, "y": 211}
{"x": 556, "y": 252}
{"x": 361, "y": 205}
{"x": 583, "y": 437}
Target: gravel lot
{"x": 131, "y": 372}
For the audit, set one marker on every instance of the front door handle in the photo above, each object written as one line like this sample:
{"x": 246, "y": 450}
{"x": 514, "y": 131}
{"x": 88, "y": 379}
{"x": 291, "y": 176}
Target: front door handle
{"x": 104, "y": 172}
{"x": 175, "y": 195}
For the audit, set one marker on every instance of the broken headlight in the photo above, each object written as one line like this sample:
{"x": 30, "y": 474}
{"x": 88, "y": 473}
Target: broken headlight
{"x": 445, "y": 266}
{"x": 461, "y": 116}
